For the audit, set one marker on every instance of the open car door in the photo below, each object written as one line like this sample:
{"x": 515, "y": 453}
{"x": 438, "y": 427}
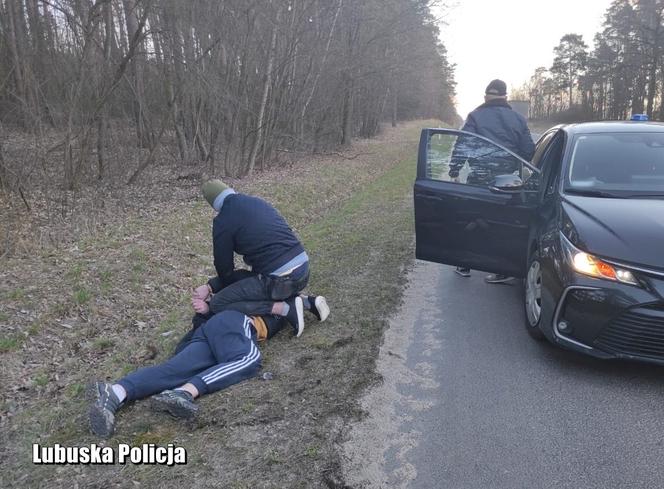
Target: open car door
{"x": 472, "y": 208}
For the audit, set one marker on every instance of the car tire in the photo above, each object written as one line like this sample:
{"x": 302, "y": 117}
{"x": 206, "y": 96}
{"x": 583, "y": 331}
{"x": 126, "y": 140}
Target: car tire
{"x": 532, "y": 297}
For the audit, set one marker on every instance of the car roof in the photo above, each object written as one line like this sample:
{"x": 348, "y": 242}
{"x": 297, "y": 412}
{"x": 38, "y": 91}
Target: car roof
{"x": 612, "y": 126}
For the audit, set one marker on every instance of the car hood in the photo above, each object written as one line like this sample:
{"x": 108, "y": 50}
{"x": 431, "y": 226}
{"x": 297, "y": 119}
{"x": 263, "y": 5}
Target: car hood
{"x": 628, "y": 230}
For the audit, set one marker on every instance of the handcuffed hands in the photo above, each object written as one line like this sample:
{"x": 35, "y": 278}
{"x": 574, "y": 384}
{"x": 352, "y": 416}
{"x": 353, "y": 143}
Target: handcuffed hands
{"x": 202, "y": 292}
{"x": 200, "y": 306}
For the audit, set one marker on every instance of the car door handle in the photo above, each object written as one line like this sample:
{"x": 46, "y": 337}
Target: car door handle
{"x": 430, "y": 196}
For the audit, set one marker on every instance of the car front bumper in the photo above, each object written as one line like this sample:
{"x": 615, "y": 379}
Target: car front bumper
{"x": 611, "y": 320}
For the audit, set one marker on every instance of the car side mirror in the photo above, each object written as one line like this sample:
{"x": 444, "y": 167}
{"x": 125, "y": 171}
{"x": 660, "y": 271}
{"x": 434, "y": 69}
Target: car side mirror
{"x": 506, "y": 184}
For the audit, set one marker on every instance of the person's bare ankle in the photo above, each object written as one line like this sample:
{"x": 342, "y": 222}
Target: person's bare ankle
{"x": 190, "y": 388}
{"x": 278, "y": 308}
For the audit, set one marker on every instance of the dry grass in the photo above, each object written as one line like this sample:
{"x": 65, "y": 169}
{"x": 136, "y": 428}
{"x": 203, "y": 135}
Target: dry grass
{"x": 115, "y": 297}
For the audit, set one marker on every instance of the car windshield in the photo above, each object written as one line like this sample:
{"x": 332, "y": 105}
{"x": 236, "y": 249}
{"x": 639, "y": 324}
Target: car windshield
{"x": 617, "y": 165}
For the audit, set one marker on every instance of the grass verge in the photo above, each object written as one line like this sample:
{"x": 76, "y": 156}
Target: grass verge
{"x": 119, "y": 301}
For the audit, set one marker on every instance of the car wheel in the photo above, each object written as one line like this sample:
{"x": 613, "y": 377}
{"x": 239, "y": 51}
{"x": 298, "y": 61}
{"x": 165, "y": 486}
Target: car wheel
{"x": 533, "y": 297}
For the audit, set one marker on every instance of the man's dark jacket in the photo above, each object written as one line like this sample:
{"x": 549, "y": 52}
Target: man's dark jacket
{"x": 497, "y": 121}
{"x": 250, "y": 227}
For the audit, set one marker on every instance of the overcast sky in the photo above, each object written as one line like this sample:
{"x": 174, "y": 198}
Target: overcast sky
{"x": 508, "y": 39}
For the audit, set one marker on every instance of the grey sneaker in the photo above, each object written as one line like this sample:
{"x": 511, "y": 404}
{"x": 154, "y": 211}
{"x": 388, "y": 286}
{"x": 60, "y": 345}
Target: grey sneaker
{"x": 496, "y": 278}
{"x": 464, "y": 272}
{"x": 177, "y": 403}
{"x": 101, "y": 413}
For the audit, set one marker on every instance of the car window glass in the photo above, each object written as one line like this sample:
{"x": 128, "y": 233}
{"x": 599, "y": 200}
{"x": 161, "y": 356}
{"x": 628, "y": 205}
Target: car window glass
{"x": 618, "y": 162}
{"x": 468, "y": 159}
{"x": 542, "y": 146}
{"x": 551, "y": 165}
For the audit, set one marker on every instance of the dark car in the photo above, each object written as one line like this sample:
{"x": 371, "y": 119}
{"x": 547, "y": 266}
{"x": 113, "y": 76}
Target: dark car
{"x": 583, "y": 224}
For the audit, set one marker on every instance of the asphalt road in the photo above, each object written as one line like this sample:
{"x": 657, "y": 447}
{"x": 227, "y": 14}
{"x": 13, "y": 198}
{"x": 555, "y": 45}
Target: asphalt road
{"x": 469, "y": 400}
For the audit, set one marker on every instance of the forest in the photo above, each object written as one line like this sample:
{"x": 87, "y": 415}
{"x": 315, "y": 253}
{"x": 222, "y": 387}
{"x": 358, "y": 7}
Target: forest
{"x": 96, "y": 91}
{"x": 622, "y": 74}
{"x": 112, "y": 115}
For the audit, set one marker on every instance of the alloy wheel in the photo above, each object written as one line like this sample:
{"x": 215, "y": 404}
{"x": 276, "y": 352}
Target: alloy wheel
{"x": 534, "y": 293}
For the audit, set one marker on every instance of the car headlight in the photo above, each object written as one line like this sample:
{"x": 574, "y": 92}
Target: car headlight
{"x": 592, "y": 266}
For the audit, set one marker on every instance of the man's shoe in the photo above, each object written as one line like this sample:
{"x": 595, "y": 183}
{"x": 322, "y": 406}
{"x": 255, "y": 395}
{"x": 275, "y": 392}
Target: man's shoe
{"x": 319, "y": 307}
{"x": 464, "y": 272}
{"x": 103, "y": 408}
{"x": 177, "y": 403}
{"x": 295, "y": 315}
{"x": 496, "y": 278}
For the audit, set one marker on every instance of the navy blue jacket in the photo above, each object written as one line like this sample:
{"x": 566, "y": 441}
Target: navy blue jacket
{"x": 250, "y": 227}
{"x": 497, "y": 121}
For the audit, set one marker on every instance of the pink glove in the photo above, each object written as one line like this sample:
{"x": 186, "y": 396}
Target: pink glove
{"x": 200, "y": 306}
{"x": 202, "y": 292}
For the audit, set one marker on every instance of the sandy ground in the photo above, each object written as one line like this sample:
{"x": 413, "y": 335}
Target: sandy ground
{"x": 375, "y": 454}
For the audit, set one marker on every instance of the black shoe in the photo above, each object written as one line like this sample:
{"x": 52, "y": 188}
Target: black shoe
{"x": 319, "y": 307}
{"x": 177, "y": 403}
{"x": 496, "y": 278}
{"x": 103, "y": 408}
{"x": 295, "y": 314}
{"x": 464, "y": 272}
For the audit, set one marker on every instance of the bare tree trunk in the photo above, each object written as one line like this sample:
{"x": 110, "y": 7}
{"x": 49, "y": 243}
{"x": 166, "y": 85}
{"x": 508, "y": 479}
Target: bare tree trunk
{"x": 266, "y": 89}
{"x": 37, "y": 35}
{"x": 198, "y": 137}
{"x": 102, "y": 118}
{"x": 174, "y": 74}
{"x": 571, "y": 84}
{"x": 661, "y": 102}
{"x": 394, "y": 106}
{"x": 320, "y": 69}
{"x": 347, "y": 112}
{"x": 14, "y": 45}
{"x": 143, "y": 132}
{"x": 124, "y": 39}
{"x": 4, "y": 184}
{"x": 156, "y": 39}
{"x": 652, "y": 78}
{"x": 151, "y": 155}
{"x": 49, "y": 28}
{"x": 347, "y": 79}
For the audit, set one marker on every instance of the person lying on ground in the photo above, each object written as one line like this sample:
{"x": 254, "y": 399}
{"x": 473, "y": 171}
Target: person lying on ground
{"x": 219, "y": 353}
{"x": 317, "y": 305}
{"x": 253, "y": 228}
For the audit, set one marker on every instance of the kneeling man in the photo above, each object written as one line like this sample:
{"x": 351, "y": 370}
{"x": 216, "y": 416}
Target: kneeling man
{"x": 220, "y": 353}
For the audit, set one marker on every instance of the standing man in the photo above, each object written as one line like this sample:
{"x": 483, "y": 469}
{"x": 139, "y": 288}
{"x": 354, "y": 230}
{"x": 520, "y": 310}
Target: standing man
{"x": 496, "y": 120}
{"x": 251, "y": 227}
{"x": 218, "y": 354}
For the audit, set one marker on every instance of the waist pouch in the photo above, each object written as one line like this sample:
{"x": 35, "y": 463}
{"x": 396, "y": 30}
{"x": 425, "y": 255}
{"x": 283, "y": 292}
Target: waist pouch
{"x": 282, "y": 288}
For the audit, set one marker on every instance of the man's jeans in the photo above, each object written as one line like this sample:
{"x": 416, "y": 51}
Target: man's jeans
{"x": 252, "y": 294}
{"x": 256, "y": 294}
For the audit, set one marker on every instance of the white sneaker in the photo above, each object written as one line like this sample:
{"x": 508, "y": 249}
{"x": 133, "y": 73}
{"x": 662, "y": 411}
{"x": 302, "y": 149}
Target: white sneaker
{"x": 295, "y": 315}
{"x": 320, "y": 308}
